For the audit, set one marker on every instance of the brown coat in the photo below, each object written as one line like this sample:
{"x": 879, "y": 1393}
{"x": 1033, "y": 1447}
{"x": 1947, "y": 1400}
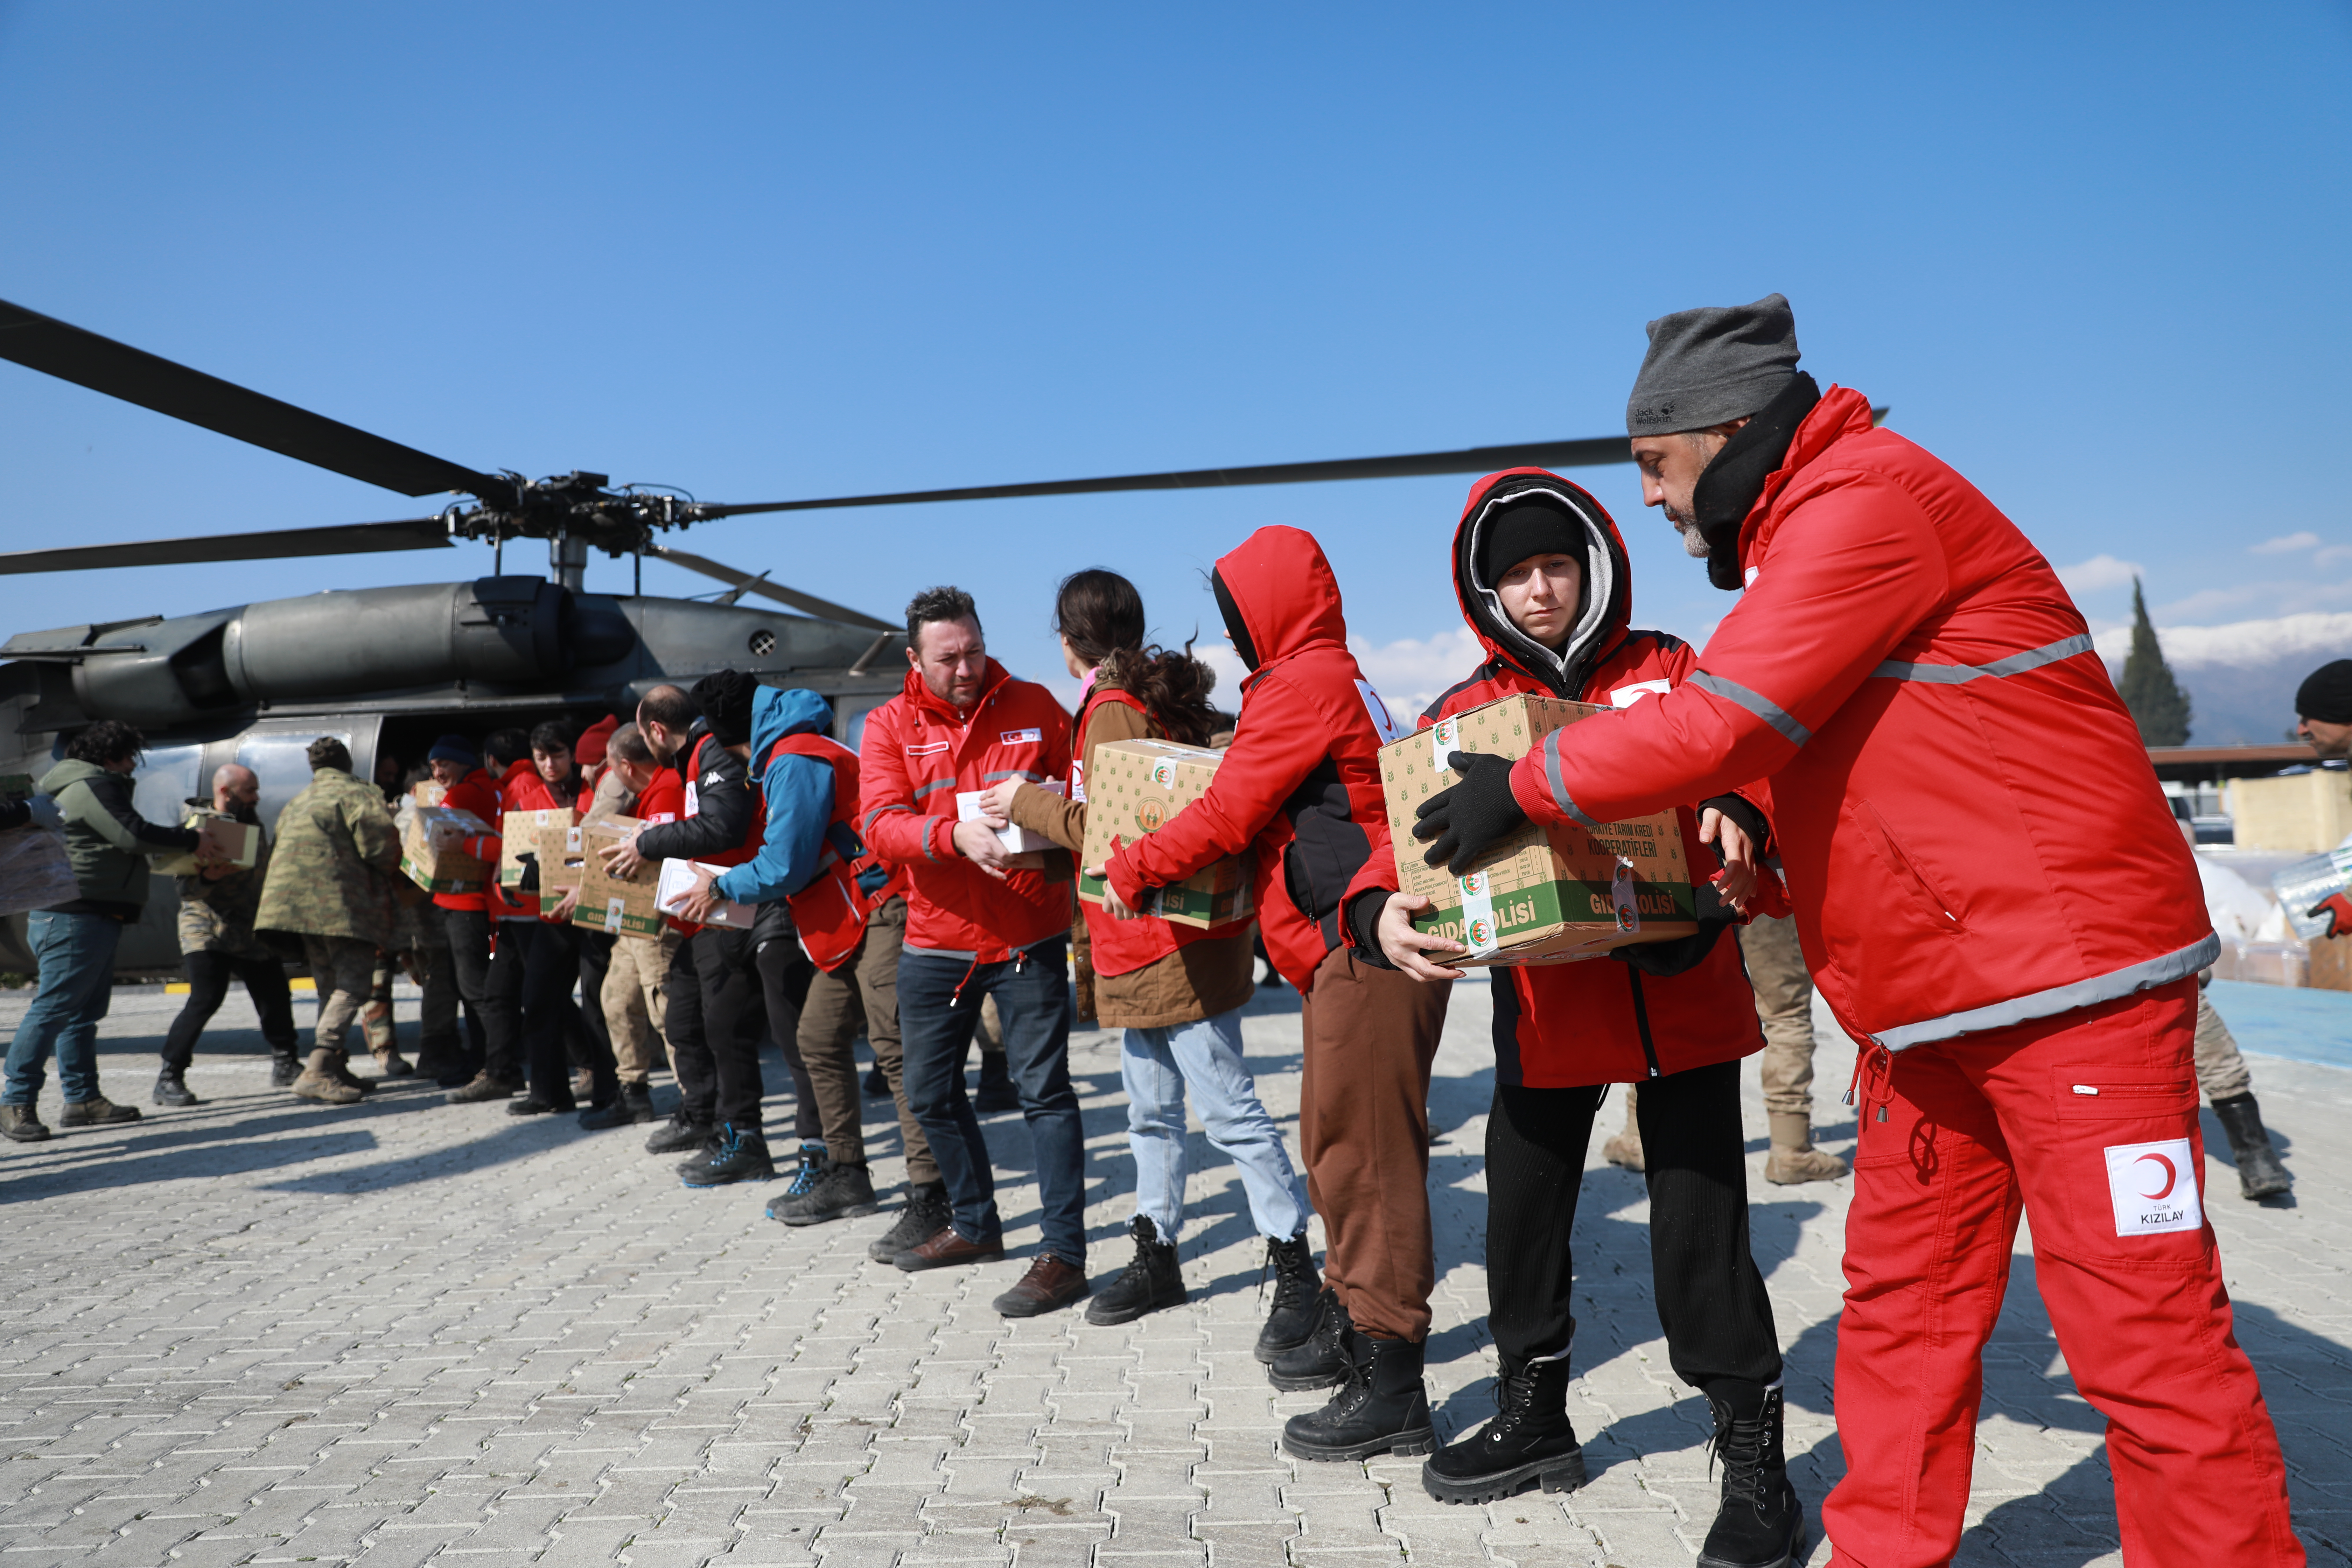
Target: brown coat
{"x": 1197, "y": 980}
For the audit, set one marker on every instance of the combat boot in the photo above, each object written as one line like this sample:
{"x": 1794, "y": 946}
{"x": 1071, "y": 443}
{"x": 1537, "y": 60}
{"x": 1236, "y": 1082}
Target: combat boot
{"x": 95, "y": 1111}
{"x": 1382, "y": 1408}
{"x": 21, "y": 1125}
{"x": 1760, "y": 1522}
{"x": 172, "y": 1089}
{"x": 742, "y": 1156}
{"x": 996, "y": 1090}
{"x": 925, "y": 1215}
{"x": 836, "y": 1192}
{"x": 2261, "y": 1174}
{"x": 1624, "y": 1151}
{"x": 680, "y": 1132}
{"x": 390, "y": 1063}
{"x": 1150, "y": 1280}
{"x": 483, "y": 1087}
{"x": 347, "y": 1077}
{"x": 318, "y": 1082}
{"x": 1529, "y": 1441}
{"x": 1298, "y": 1298}
{"x": 1793, "y": 1159}
{"x": 284, "y": 1066}
{"x": 634, "y": 1103}
{"x": 1322, "y": 1358}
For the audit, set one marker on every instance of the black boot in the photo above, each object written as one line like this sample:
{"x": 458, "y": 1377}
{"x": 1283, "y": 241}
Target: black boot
{"x": 926, "y": 1212}
{"x": 1530, "y": 1440}
{"x": 634, "y": 1104}
{"x": 1382, "y": 1408}
{"x": 996, "y": 1090}
{"x": 284, "y": 1066}
{"x": 835, "y": 1192}
{"x": 1147, "y": 1284}
{"x": 680, "y": 1132}
{"x": 1760, "y": 1522}
{"x": 1321, "y": 1359}
{"x": 741, "y": 1156}
{"x": 171, "y": 1089}
{"x": 1297, "y": 1289}
{"x": 2259, "y": 1174}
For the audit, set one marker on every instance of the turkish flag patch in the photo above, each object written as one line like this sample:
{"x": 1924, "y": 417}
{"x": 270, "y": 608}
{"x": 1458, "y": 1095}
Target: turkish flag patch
{"x": 2154, "y": 1186}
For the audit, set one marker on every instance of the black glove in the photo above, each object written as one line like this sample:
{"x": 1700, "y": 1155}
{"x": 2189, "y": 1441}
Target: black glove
{"x": 1684, "y": 952}
{"x": 1473, "y": 815}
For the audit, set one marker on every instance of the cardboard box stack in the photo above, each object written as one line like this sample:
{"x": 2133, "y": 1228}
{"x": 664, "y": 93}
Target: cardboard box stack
{"x": 443, "y": 870}
{"x": 623, "y": 907}
{"x": 1543, "y": 894}
{"x": 1132, "y": 789}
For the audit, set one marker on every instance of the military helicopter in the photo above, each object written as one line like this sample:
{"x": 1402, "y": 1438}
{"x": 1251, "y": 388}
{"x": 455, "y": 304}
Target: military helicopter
{"x": 389, "y": 668}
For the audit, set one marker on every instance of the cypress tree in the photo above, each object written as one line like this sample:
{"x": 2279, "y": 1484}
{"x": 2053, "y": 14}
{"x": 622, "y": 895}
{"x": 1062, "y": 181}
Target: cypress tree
{"x": 2157, "y": 704}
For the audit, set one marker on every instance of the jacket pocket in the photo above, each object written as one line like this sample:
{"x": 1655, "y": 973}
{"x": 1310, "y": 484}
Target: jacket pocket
{"x": 1906, "y": 869}
{"x": 2122, "y": 1094}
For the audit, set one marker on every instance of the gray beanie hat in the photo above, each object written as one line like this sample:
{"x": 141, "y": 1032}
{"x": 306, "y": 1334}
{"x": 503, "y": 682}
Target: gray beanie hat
{"x": 1714, "y": 363}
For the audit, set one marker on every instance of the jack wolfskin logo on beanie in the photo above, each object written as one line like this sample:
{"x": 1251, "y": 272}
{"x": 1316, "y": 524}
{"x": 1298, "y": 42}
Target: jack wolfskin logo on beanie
{"x": 1713, "y": 363}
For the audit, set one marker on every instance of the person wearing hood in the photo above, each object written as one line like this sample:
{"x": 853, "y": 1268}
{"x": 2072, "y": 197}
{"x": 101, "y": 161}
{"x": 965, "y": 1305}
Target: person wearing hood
{"x": 1544, "y": 583}
{"x": 1993, "y": 898}
{"x": 979, "y": 923}
{"x": 218, "y": 944}
{"x": 108, "y": 844}
{"x": 1301, "y": 786}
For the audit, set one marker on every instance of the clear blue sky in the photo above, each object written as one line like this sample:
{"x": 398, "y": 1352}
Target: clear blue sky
{"x": 2093, "y": 255}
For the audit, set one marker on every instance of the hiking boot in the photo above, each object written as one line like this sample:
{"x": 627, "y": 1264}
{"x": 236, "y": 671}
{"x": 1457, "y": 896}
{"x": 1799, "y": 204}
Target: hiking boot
{"x": 945, "y": 1248}
{"x": 483, "y": 1087}
{"x": 1049, "y": 1286}
{"x": 389, "y": 1063}
{"x": 1529, "y": 1441}
{"x": 1297, "y": 1292}
{"x": 21, "y": 1125}
{"x": 2260, "y": 1172}
{"x": 837, "y": 1192}
{"x": 996, "y": 1090}
{"x": 1760, "y": 1522}
{"x": 1150, "y": 1280}
{"x": 95, "y": 1111}
{"x": 1794, "y": 1159}
{"x": 877, "y": 1087}
{"x": 925, "y": 1215}
{"x": 741, "y": 1156}
{"x": 634, "y": 1104}
{"x": 319, "y": 1082}
{"x": 806, "y": 1170}
{"x": 532, "y": 1105}
{"x": 341, "y": 1068}
{"x": 1624, "y": 1151}
{"x": 1382, "y": 1408}
{"x": 284, "y": 1066}
{"x": 172, "y": 1089}
{"x": 1321, "y": 1359}
{"x": 680, "y": 1133}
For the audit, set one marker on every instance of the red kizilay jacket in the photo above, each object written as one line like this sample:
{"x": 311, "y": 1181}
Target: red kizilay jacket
{"x": 919, "y": 753}
{"x": 1301, "y": 781}
{"x": 1561, "y": 1025}
{"x": 477, "y": 792}
{"x": 1970, "y": 830}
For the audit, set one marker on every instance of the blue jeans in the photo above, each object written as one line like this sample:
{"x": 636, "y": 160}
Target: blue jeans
{"x": 76, "y": 953}
{"x": 938, "y": 1007}
{"x": 1157, "y": 1066}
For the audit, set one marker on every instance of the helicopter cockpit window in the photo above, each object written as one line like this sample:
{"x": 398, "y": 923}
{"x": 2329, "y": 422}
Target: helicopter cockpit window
{"x": 282, "y": 763}
{"x": 168, "y": 778}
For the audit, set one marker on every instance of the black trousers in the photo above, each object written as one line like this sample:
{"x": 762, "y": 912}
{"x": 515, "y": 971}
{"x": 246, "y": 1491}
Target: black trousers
{"x": 785, "y": 976}
{"x": 552, "y": 1022}
{"x": 1710, "y": 1295}
{"x": 491, "y": 990}
{"x": 209, "y": 973}
{"x": 718, "y": 1064}
{"x": 595, "y": 957}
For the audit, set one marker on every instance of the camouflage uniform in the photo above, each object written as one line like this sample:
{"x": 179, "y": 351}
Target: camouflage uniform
{"x": 329, "y": 883}
{"x": 217, "y": 944}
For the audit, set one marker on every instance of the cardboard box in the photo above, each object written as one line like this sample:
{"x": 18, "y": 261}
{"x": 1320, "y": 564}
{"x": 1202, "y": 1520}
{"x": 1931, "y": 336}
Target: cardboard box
{"x": 242, "y": 840}
{"x": 426, "y": 791}
{"x": 558, "y": 849}
{"x": 519, "y": 835}
{"x": 624, "y": 907}
{"x": 443, "y": 870}
{"x": 1132, "y": 789}
{"x": 1543, "y": 894}
{"x": 1016, "y": 839}
{"x": 677, "y": 882}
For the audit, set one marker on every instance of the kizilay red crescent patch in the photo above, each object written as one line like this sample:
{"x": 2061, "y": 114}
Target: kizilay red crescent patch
{"x": 2154, "y": 1186}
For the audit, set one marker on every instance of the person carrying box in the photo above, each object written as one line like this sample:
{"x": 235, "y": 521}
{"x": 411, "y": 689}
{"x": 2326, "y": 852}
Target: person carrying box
{"x": 467, "y": 921}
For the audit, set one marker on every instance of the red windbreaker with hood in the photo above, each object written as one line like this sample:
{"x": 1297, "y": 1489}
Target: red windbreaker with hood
{"x": 919, "y": 753}
{"x": 1598, "y": 1021}
{"x": 478, "y": 793}
{"x": 1302, "y": 779}
{"x": 1971, "y": 834}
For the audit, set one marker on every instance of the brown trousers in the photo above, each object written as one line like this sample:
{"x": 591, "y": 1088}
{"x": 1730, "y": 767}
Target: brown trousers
{"x": 864, "y": 992}
{"x": 635, "y": 1003}
{"x": 1363, "y": 1127}
{"x": 1784, "y": 1005}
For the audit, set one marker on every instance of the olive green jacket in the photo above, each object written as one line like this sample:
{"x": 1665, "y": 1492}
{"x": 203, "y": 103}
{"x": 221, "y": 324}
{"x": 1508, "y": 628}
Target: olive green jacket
{"x": 330, "y": 873}
{"x": 106, "y": 838}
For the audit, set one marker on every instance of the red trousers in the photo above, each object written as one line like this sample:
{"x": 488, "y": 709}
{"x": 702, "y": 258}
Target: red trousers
{"x": 2087, "y": 1123}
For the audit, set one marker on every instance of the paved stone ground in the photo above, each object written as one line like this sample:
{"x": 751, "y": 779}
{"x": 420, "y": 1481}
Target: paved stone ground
{"x": 258, "y": 1331}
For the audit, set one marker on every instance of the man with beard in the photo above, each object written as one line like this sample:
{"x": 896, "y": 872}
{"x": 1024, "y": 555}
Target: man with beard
{"x": 218, "y": 944}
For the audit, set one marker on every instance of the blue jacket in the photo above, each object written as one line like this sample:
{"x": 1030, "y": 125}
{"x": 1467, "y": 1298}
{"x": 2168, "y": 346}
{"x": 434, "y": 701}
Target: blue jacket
{"x": 798, "y": 793}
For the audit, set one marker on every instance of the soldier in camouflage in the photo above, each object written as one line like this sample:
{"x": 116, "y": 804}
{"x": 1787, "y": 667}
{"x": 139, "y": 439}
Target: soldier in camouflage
{"x": 217, "y": 944}
{"x": 329, "y": 883}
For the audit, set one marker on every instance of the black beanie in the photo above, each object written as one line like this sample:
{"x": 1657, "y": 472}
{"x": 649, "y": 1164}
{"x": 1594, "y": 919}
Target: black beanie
{"x": 2326, "y": 694}
{"x": 725, "y": 699}
{"x": 1536, "y": 526}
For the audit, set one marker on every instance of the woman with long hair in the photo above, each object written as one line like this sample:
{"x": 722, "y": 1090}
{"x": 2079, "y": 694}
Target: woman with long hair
{"x": 1177, "y": 990}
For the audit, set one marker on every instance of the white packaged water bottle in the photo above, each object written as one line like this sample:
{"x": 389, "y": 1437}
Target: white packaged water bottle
{"x": 2308, "y": 882}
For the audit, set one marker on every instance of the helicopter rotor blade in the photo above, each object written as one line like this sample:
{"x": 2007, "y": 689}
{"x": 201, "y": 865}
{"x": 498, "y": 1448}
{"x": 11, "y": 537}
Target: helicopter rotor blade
{"x": 68, "y": 352}
{"x": 341, "y": 539}
{"x": 1468, "y": 461}
{"x": 808, "y": 603}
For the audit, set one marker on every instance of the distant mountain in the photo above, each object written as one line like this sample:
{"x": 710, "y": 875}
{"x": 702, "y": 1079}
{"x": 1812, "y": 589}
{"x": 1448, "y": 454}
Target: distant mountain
{"x": 2241, "y": 677}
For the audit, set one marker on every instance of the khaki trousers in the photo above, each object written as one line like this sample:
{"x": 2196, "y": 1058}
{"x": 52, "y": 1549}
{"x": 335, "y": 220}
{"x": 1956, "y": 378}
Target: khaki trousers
{"x": 344, "y": 970}
{"x": 636, "y": 1006}
{"x": 1784, "y": 1005}
{"x": 2221, "y": 1070}
{"x": 862, "y": 994}
{"x": 1363, "y": 1128}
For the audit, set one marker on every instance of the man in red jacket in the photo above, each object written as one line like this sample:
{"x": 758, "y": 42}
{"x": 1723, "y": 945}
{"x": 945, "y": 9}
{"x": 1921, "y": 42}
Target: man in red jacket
{"x": 1301, "y": 783}
{"x": 1993, "y": 896}
{"x": 492, "y": 991}
{"x": 979, "y": 923}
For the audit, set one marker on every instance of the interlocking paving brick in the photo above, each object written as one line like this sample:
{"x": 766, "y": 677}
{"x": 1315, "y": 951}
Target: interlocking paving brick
{"x": 256, "y": 1330}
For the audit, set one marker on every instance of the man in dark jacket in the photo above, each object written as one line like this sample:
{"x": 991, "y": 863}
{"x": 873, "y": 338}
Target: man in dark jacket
{"x": 109, "y": 842}
{"x": 218, "y": 944}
